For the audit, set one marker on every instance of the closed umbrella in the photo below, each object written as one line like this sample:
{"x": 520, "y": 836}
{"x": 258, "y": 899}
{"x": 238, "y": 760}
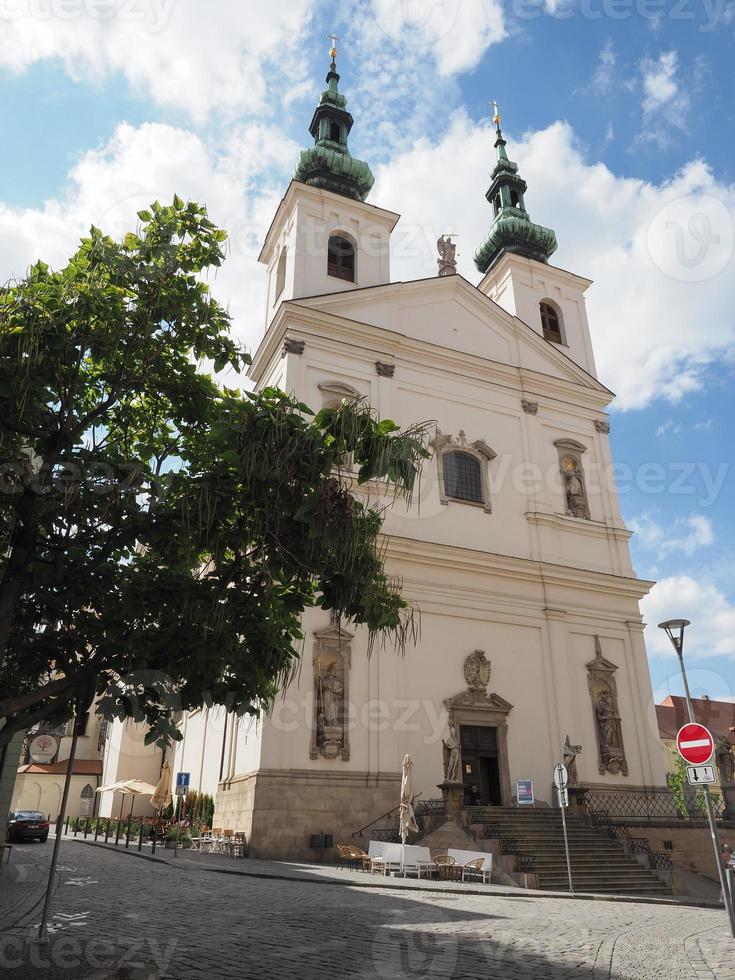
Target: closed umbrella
{"x": 162, "y": 795}
{"x": 406, "y": 816}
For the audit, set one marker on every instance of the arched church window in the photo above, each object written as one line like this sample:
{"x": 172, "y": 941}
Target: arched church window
{"x": 464, "y": 469}
{"x": 551, "y": 322}
{"x": 87, "y": 793}
{"x": 334, "y": 132}
{"x": 341, "y": 258}
{"x": 462, "y": 476}
{"x": 281, "y": 272}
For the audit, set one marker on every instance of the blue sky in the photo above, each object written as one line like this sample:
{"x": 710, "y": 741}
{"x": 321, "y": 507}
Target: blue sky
{"x": 619, "y": 113}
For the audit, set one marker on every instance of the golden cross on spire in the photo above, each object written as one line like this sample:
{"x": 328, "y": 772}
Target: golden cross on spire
{"x": 333, "y": 50}
{"x": 496, "y": 113}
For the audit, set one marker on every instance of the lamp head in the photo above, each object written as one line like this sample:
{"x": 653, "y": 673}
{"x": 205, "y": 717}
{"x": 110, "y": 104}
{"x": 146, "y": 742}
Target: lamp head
{"x": 674, "y": 629}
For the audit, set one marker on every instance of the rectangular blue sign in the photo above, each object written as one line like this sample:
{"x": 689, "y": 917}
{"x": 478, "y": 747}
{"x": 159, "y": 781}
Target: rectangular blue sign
{"x": 182, "y": 778}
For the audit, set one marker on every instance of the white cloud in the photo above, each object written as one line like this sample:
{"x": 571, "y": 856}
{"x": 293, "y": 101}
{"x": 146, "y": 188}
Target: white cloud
{"x": 659, "y": 253}
{"x": 456, "y": 32}
{"x": 659, "y": 81}
{"x": 178, "y": 53}
{"x": 241, "y": 185}
{"x": 684, "y": 534}
{"x": 604, "y": 76}
{"x": 712, "y": 632}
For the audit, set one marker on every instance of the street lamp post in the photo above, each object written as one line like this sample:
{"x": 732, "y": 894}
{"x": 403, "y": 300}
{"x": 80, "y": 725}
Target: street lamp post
{"x": 674, "y": 629}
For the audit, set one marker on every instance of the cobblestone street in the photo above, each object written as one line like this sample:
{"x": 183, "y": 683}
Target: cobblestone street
{"x": 115, "y": 914}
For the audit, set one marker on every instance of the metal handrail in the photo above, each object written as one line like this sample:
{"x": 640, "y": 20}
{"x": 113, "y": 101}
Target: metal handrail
{"x": 358, "y": 833}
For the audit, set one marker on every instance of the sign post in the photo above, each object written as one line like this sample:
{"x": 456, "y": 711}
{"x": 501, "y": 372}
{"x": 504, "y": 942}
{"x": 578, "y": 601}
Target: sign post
{"x": 182, "y": 788}
{"x": 695, "y": 745}
{"x": 561, "y": 781}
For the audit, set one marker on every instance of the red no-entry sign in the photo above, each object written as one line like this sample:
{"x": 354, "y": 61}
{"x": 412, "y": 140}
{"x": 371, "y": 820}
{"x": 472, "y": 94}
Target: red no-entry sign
{"x": 695, "y": 744}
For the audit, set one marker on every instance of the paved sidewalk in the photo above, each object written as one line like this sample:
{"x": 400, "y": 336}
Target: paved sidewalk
{"x": 23, "y": 881}
{"x": 116, "y": 915}
{"x": 330, "y": 874}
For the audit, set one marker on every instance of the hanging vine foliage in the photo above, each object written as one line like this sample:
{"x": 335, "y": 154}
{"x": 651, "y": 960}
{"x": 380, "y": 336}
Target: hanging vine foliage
{"x": 161, "y": 534}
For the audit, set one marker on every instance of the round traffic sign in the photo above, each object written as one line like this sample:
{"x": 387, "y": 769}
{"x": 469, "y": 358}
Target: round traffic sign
{"x": 695, "y": 744}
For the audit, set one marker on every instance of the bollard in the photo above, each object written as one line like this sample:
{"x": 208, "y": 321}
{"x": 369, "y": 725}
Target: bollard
{"x": 107, "y": 829}
{"x": 76, "y": 826}
{"x": 86, "y": 827}
{"x": 140, "y": 837}
{"x": 127, "y": 832}
{"x": 96, "y": 830}
{"x": 66, "y": 827}
{"x": 153, "y": 848}
{"x": 117, "y": 832}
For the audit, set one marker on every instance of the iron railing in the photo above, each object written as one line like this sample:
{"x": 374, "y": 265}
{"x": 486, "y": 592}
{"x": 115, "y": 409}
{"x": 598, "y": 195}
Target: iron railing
{"x": 386, "y": 834}
{"x": 657, "y": 861}
{"x": 388, "y": 813}
{"x": 430, "y": 808}
{"x": 646, "y": 804}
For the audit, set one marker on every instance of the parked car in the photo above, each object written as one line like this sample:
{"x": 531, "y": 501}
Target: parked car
{"x": 27, "y": 824}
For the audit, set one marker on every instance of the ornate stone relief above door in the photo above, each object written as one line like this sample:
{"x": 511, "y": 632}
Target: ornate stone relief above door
{"x": 331, "y": 660}
{"x": 608, "y": 727}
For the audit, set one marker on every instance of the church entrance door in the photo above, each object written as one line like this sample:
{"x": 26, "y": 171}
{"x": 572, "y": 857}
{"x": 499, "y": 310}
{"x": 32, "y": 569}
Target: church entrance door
{"x": 480, "y": 766}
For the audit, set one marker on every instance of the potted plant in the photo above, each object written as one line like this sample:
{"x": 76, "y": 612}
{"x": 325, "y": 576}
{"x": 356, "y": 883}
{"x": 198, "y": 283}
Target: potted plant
{"x": 184, "y": 837}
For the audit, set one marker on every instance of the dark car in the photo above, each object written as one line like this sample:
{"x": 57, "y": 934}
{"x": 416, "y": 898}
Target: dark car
{"x": 27, "y": 824}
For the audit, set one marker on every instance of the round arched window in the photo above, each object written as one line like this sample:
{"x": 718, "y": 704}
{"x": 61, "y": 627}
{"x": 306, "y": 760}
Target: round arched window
{"x": 462, "y": 476}
{"x": 551, "y": 323}
{"x": 341, "y": 258}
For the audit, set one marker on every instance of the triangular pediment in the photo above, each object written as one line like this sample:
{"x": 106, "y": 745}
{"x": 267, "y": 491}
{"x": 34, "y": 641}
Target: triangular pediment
{"x": 335, "y": 634}
{"x": 450, "y": 312}
{"x": 601, "y": 664}
{"x": 479, "y": 700}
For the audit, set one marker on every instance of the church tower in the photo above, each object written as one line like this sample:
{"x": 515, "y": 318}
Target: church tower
{"x": 324, "y": 238}
{"x": 514, "y": 258}
{"x": 516, "y": 557}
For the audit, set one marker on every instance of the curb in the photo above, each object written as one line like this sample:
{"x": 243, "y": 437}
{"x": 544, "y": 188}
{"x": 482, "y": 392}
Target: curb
{"x": 183, "y": 865}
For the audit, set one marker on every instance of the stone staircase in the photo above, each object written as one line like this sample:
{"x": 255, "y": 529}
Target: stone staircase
{"x": 535, "y": 837}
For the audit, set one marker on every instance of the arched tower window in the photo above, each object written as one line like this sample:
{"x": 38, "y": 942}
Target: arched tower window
{"x": 334, "y": 132}
{"x": 551, "y": 322}
{"x": 341, "y": 258}
{"x": 281, "y": 272}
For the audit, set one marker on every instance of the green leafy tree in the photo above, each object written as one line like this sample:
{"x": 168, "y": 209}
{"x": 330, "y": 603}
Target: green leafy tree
{"x": 161, "y": 534}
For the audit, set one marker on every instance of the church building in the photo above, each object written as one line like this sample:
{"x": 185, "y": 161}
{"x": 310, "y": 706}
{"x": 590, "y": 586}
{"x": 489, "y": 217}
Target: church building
{"x": 514, "y": 552}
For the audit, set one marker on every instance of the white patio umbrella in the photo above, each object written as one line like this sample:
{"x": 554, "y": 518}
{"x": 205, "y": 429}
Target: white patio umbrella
{"x": 406, "y": 816}
{"x": 128, "y": 787}
{"x": 162, "y": 795}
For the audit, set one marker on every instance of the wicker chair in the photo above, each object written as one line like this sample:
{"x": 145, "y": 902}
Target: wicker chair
{"x": 353, "y": 857}
{"x": 443, "y": 864}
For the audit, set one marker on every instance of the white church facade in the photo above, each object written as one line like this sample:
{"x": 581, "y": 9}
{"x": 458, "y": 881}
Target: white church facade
{"x": 513, "y": 552}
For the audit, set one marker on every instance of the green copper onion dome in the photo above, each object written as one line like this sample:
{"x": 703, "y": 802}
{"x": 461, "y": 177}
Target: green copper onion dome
{"x": 328, "y": 163}
{"x": 512, "y": 229}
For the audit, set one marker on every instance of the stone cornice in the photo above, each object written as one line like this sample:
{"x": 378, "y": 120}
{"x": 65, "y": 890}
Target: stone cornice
{"x": 594, "y": 529}
{"x": 481, "y": 563}
{"x": 323, "y": 329}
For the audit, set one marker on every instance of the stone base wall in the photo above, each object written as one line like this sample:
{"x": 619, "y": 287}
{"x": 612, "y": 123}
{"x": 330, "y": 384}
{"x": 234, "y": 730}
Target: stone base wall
{"x": 691, "y": 844}
{"x": 279, "y": 809}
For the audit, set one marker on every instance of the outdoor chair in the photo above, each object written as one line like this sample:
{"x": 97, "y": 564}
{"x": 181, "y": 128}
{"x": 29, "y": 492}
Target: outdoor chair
{"x": 376, "y": 854}
{"x": 474, "y": 864}
{"x": 443, "y": 864}
{"x": 227, "y": 841}
{"x": 239, "y": 843}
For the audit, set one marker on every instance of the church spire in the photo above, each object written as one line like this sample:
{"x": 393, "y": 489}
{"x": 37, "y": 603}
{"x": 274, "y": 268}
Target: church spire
{"x": 328, "y": 163}
{"x": 512, "y": 229}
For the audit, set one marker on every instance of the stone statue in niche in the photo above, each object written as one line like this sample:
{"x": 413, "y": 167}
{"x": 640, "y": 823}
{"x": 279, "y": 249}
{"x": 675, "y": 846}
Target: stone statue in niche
{"x": 570, "y": 753}
{"x": 331, "y": 671}
{"x": 724, "y": 759}
{"x": 574, "y": 487}
{"x": 451, "y": 756}
{"x": 603, "y": 694}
